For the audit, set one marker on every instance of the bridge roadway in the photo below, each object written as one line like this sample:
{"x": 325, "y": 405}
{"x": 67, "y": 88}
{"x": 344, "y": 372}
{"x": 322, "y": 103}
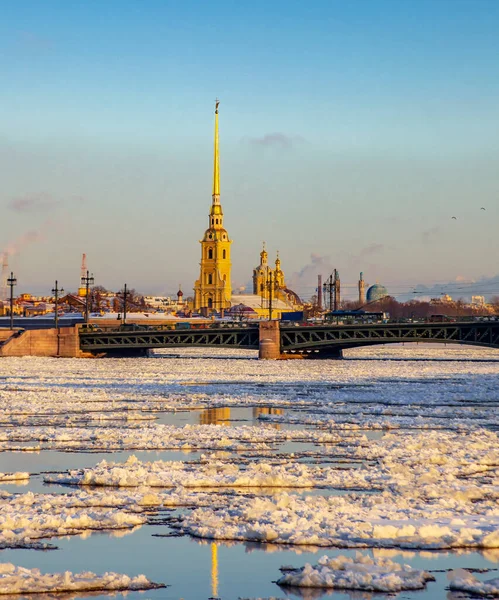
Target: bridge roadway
{"x": 321, "y": 341}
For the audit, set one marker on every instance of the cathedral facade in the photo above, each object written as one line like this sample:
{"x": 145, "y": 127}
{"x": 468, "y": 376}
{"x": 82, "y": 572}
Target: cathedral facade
{"x": 212, "y": 291}
{"x": 269, "y": 283}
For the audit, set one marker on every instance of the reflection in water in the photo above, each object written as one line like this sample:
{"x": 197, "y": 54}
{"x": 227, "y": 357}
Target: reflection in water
{"x": 222, "y": 416}
{"x": 316, "y": 593}
{"x": 215, "y": 416}
{"x": 266, "y": 410}
{"x": 16, "y": 482}
{"x": 491, "y": 554}
{"x": 250, "y": 547}
{"x": 214, "y": 571}
{"x": 65, "y": 595}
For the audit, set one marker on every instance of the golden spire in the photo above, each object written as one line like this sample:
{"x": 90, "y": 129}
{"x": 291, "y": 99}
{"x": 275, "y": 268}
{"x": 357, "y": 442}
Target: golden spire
{"x": 216, "y": 165}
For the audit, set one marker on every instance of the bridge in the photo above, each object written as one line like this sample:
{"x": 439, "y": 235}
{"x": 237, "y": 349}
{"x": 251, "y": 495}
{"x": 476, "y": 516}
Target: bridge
{"x": 276, "y": 340}
{"x": 115, "y": 341}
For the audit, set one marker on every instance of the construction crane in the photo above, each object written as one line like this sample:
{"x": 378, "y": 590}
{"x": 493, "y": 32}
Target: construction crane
{"x": 5, "y": 274}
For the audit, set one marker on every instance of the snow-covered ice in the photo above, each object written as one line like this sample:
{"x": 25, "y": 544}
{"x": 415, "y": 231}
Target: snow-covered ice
{"x": 359, "y": 573}
{"x": 18, "y": 580}
{"x": 216, "y": 473}
{"x": 18, "y": 476}
{"x": 153, "y": 436}
{"x": 353, "y": 521}
{"x": 26, "y": 519}
{"x": 464, "y": 581}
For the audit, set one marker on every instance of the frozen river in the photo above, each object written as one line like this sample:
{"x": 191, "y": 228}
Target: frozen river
{"x": 209, "y": 471}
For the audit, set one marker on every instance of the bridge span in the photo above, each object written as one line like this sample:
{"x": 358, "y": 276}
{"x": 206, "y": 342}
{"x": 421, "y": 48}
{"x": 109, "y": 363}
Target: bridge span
{"x": 272, "y": 339}
{"x": 277, "y": 340}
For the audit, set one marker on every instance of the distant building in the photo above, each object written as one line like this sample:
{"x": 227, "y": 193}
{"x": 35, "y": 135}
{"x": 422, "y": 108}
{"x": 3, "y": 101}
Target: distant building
{"x": 478, "y": 301}
{"x": 158, "y": 301}
{"x": 443, "y": 299}
{"x": 376, "y": 292}
{"x": 269, "y": 291}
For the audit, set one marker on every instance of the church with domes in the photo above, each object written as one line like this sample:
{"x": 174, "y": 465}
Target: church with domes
{"x": 269, "y": 282}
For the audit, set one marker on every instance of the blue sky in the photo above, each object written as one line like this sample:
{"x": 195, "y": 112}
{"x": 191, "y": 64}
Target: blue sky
{"x": 351, "y": 133}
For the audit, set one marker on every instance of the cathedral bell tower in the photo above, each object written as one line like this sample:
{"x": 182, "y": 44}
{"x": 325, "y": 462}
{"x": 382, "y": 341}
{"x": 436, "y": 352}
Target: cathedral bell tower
{"x": 212, "y": 291}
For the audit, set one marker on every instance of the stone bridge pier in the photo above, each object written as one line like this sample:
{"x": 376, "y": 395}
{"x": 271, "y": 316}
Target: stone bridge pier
{"x": 63, "y": 342}
{"x": 269, "y": 340}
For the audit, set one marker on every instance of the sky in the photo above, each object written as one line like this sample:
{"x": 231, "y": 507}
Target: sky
{"x": 350, "y": 135}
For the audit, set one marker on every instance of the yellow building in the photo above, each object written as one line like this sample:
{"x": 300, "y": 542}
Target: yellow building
{"x": 212, "y": 291}
{"x": 269, "y": 282}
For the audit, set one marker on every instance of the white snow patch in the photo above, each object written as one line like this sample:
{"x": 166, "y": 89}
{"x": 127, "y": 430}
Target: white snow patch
{"x": 217, "y": 473}
{"x": 18, "y": 580}
{"x": 353, "y": 521}
{"x": 463, "y": 581}
{"x": 359, "y": 573}
{"x": 27, "y": 518}
{"x": 18, "y": 476}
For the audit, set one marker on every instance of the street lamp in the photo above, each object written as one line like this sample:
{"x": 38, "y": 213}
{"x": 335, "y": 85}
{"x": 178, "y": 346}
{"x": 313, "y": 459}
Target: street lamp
{"x": 125, "y": 293}
{"x": 11, "y": 282}
{"x": 88, "y": 280}
{"x": 270, "y": 287}
{"x": 56, "y": 291}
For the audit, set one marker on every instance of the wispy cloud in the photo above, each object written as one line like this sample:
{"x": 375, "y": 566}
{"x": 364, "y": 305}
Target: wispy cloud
{"x": 42, "y": 203}
{"x": 33, "y": 203}
{"x": 307, "y": 275}
{"x": 371, "y": 249}
{"x": 277, "y": 139}
{"x": 29, "y": 237}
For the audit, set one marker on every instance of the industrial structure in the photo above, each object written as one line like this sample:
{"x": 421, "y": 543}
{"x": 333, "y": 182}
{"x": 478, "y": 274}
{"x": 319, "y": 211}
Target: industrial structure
{"x": 362, "y": 290}
{"x": 4, "y": 276}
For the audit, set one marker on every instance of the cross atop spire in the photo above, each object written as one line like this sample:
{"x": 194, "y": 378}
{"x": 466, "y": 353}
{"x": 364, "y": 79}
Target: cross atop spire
{"x": 263, "y": 255}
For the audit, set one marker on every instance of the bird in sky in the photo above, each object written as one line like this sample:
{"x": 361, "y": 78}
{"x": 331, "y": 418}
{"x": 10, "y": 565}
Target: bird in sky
{"x": 455, "y": 218}
{"x": 482, "y": 208}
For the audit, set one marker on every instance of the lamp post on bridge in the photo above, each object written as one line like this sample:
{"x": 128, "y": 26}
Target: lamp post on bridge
{"x": 125, "y": 293}
{"x": 270, "y": 285}
{"x": 11, "y": 282}
{"x": 88, "y": 281}
{"x": 55, "y": 291}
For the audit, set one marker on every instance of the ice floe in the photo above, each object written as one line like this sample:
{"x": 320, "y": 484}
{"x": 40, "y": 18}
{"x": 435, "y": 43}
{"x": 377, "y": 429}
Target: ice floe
{"x": 153, "y": 436}
{"x": 18, "y": 476}
{"x": 359, "y": 573}
{"x": 19, "y": 580}
{"x": 216, "y": 473}
{"x": 464, "y": 581}
{"x": 25, "y": 519}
